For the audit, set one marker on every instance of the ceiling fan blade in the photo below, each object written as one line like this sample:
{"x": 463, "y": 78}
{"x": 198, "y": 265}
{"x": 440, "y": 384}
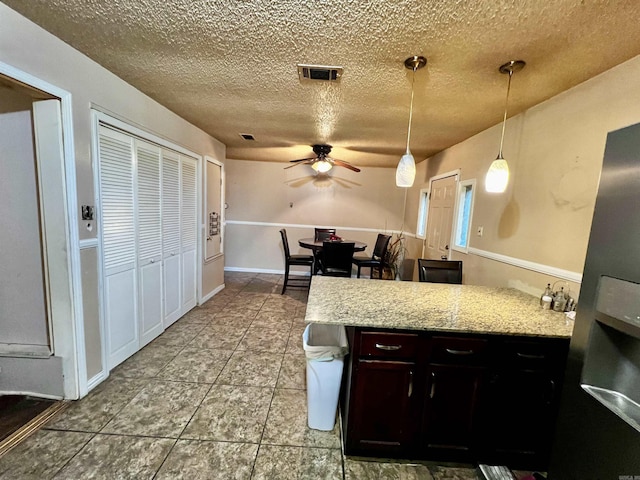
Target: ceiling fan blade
{"x": 340, "y": 163}
{"x": 302, "y": 160}
{"x": 296, "y": 164}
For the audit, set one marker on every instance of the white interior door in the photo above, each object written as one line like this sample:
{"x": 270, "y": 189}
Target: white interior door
{"x": 440, "y": 217}
{"x": 189, "y": 232}
{"x": 172, "y": 271}
{"x": 149, "y": 241}
{"x": 119, "y": 244}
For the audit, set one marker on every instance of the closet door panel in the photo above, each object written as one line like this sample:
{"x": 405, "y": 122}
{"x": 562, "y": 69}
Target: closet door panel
{"x": 122, "y": 325}
{"x": 171, "y": 254}
{"x": 189, "y": 232}
{"x": 118, "y": 229}
{"x": 149, "y": 240}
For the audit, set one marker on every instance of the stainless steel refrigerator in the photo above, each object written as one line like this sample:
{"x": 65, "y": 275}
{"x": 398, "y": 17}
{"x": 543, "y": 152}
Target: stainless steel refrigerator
{"x": 598, "y": 429}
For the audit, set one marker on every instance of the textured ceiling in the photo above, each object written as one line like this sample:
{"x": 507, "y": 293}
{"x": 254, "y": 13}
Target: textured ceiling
{"x": 229, "y": 67}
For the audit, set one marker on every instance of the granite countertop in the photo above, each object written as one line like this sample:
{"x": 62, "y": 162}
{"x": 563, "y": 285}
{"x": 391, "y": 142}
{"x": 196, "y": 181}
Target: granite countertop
{"x": 431, "y": 306}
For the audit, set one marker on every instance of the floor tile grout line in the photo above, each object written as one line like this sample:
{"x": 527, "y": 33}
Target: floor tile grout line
{"x": 74, "y": 455}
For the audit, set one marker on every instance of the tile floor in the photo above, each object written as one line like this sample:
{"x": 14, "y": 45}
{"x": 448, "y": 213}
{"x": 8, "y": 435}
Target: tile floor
{"x": 219, "y": 395}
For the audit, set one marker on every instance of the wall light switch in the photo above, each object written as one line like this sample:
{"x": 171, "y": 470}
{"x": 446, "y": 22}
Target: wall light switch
{"x": 480, "y": 231}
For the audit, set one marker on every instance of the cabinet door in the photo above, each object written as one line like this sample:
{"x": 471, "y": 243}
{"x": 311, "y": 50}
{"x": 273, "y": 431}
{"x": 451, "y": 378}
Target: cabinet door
{"x": 518, "y": 418}
{"x": 383, "y": 408}
{"x": 451, "y": 404}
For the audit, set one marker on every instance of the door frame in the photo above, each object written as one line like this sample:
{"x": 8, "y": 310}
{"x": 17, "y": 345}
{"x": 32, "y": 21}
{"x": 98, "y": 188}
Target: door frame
{"x": 64, "y": 267}
{"x": 454, "y": 173}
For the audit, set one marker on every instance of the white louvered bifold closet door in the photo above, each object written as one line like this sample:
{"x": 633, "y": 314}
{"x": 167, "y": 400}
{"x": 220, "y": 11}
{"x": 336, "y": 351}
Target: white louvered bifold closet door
{"x": 189, "y": 232}
{"x": 149, "y": 241}
{"x": 172, "y": 270}
{"x": 116, "y": 165}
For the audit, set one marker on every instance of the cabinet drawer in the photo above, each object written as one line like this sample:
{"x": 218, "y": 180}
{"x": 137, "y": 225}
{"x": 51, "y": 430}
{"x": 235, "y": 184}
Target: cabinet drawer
{"x": 389, "y": 345}
{"x": 459, "y": 351}
{"x": 533, "y": 355}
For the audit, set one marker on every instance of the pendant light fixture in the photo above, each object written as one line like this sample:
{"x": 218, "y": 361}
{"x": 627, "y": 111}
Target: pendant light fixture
{"x": 497, "y": 176}
{"x": 406, "y": 171}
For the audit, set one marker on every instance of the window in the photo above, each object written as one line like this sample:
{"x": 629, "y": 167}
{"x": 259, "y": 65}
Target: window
{"x": 464, "y": 213}
{"x": 421, "y": 228}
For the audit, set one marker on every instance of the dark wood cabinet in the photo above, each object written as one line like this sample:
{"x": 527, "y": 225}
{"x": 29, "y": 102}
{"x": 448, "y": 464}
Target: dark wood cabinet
{"x": 521, "y": 402}
{"x": 450, "y": 407}
{"x": 452, "y": 397}
{"x": 384, "y": 402}
{"x": 384, "y": 407}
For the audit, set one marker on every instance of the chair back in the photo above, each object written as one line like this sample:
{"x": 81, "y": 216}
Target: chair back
{"x": 380, "y": 249}
{"x": 285, "y": 243}
{"x": 323, "y": 234}
{"x": 337, "y": 258}
{"x": 440, "y": 271}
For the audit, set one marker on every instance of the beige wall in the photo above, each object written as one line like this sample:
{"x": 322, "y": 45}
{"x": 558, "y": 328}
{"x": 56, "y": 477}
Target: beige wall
{"x": 359, "y": 205}
{"x": 555, "y": 152}
{"x": 29, "y": 48}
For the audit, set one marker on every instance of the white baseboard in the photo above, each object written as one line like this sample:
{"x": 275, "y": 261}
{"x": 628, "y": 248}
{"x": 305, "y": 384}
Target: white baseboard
{"x": 96, "y": 380}
{"x": 265, "y": 270}
{"x": 211, "y": 294}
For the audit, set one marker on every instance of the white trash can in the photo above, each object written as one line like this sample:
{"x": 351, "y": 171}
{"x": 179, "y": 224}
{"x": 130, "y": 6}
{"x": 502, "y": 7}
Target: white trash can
{"x": 325, "y": 347}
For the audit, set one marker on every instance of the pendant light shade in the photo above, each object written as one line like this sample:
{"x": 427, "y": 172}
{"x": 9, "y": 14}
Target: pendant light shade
{"x": 497, "y": 177}
{"x": 406, "y": 170}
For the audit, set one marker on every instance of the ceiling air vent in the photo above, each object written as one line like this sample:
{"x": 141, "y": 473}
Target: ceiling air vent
{"x": 321, "y": 73}
{"x": 247, "y": 136}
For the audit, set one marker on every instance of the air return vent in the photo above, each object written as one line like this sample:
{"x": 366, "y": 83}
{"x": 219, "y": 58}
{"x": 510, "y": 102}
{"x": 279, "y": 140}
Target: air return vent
{"x": 321, "y": 73}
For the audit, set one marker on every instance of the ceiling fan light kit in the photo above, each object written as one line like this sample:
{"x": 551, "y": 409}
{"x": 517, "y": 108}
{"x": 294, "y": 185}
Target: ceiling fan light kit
{"x": 406, "y": 170}
{"x": 497, "y": 177}
{"x": 322, "y": 163}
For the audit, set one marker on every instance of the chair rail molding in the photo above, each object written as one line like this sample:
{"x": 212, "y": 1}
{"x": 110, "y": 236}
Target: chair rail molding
{"x": 300, "y": 225}
{"x": 526, "y": 264}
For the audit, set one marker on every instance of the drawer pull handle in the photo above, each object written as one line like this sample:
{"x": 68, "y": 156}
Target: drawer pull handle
{"x": 530, "y": 356}
{"x": 388, "y": 348}
{"x": 410, "y": 384}
{"x": 432, "y": 393}
{"x": 459, "y": 352}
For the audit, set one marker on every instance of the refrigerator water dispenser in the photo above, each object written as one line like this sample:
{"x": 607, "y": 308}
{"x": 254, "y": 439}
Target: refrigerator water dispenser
{"x": 611, "y": 371}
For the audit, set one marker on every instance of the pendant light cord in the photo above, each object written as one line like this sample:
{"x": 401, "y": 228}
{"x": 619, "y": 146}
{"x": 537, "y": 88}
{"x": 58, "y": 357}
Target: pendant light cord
{"x": 504, "y": 120}
{"x": 411, "y": 108}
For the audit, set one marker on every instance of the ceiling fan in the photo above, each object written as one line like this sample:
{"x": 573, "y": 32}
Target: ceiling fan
{"x": 322, "y": 163}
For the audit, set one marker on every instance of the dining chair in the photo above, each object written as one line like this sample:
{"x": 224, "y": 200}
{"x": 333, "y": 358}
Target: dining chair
{"x": 322, "y": 234}
{"x": 304, "y": 260}
{"x": 440, "y": 271}
{"x": 376, "y": 260}
{"x": 337, "y": 258}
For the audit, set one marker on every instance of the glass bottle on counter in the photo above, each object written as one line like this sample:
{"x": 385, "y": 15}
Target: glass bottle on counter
{"x": 546, "y": 298}
{"x": 559, "y": 301}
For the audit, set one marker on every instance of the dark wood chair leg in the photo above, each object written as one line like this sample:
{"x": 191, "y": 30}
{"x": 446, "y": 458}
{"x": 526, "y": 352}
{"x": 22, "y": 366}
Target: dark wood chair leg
{"x": 286, "y": 278}
{"x": 358, "y": 271}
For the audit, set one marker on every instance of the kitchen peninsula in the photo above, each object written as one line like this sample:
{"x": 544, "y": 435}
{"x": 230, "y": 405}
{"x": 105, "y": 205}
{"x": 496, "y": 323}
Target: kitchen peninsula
{"x": 445, "y": 372}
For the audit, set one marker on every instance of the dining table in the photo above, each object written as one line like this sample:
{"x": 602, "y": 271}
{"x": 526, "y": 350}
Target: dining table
{"x": 316, "y": 246}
